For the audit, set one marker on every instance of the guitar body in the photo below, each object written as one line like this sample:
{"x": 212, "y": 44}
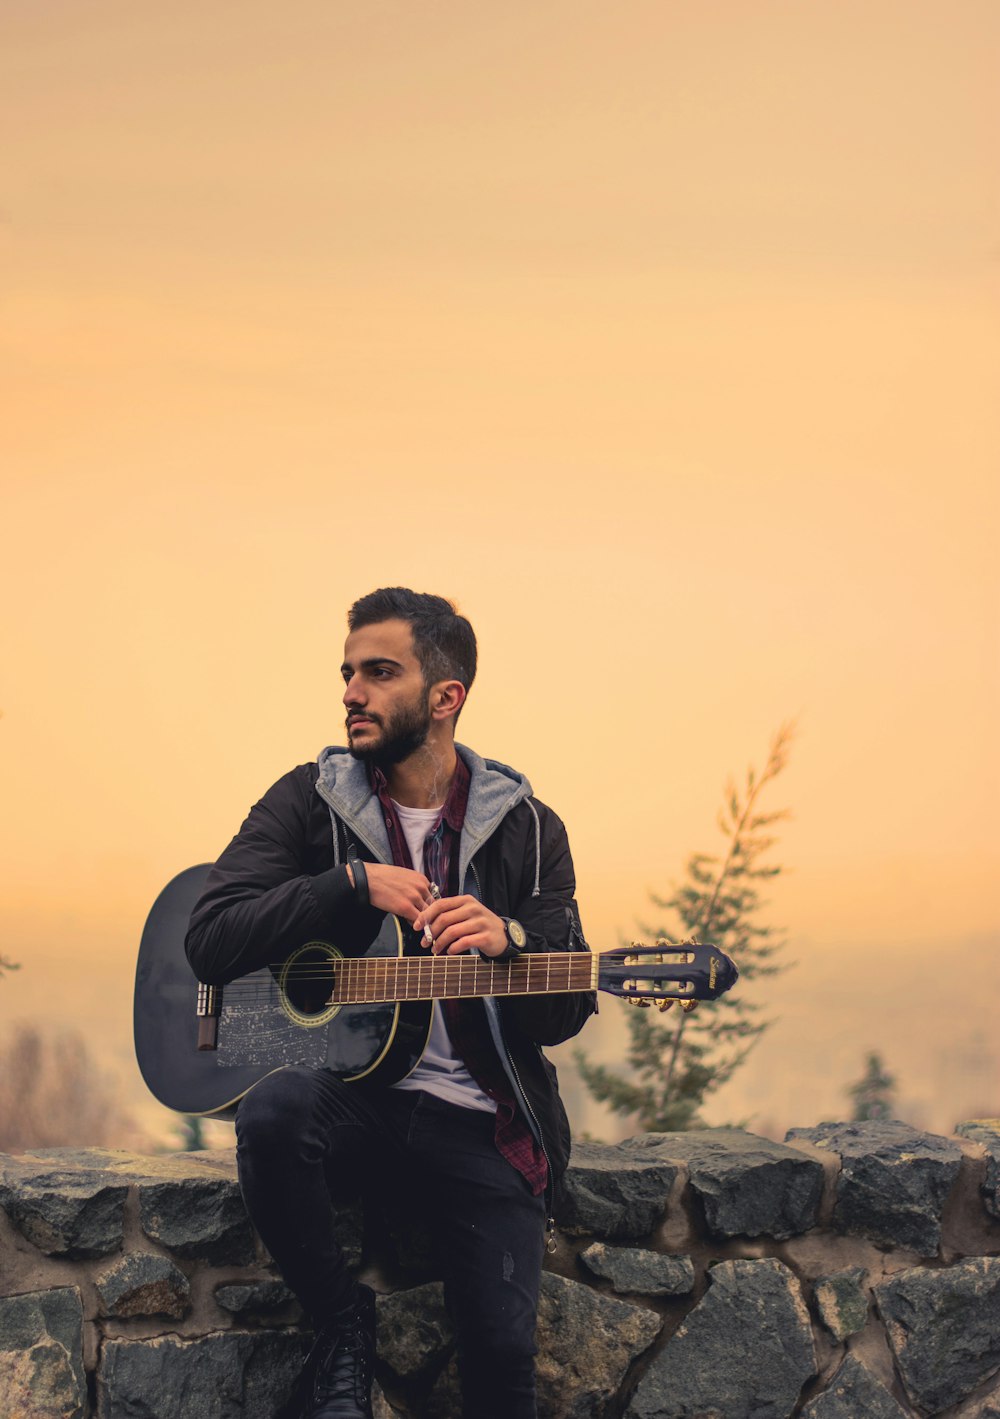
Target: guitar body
{"x": 365, "y": 1017}
{"x": 268, "y": 1020}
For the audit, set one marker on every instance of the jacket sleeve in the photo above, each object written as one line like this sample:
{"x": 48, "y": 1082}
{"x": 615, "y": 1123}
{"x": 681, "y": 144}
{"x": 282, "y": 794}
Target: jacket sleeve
{"x": 260, "y": 902}
{"x": 552, "y": 922}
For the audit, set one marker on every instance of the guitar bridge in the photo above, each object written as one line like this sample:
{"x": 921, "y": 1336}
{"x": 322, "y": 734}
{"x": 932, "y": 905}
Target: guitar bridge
{"x": 208, "y": 1010}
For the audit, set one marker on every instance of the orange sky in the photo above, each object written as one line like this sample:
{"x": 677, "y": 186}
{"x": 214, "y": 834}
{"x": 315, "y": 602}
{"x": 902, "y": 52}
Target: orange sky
{"x": 662, "y": 337}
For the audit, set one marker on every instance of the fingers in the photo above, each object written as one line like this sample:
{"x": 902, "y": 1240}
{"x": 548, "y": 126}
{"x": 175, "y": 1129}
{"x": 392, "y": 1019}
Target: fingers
{"x": 431, "y": 911}
{"x": 397, "y": 889}
{"x": 479, "y": 941}
{"x": 458, "y": 924}
{"x": 443, "y": 926}
{"x": 441, "y": 911}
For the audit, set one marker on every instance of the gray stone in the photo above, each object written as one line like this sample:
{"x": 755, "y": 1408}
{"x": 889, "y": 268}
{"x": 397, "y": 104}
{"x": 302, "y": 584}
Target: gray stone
{"x": 381, "y": 1408}
{"x": 41, "y": 1355}
{"x": 944, "y": 1329}
{"x": 414, "y": 1332}
{"x": 853, "y": 1393}
{"x": 637, "y": 1272}
{"x": 255, "y": 1298}
{"x": 63, "y": 1208}
{"x": 144, "y": 1284}
{"x": 746, "y": 1186}
{"x": 743, "y": 1352}
{"x": 842, "y": 1302}
{"x": 611, "y": 1192}
{"x": 893, "y": 1180}
{"x": 230, "y": 1375}
{"x": 70, "y": 1202}
{"x": 586, "y": 1344}
{"x": 985, "y": 1406}
{"x": 201, "y": 1218}
{"x": 987, "y": 1132}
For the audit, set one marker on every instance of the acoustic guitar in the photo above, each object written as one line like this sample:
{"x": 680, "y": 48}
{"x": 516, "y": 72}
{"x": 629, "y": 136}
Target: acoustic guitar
{"x": 201, "y": 1048}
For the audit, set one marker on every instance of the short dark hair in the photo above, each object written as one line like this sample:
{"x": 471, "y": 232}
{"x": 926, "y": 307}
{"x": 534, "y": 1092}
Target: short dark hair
{"x": 444, "y": 641}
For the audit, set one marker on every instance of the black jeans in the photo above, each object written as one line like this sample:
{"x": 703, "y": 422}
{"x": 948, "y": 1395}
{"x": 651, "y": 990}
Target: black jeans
{"x": 305, "y": 1138}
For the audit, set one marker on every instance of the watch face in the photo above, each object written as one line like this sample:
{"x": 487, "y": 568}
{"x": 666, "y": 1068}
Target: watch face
{"x": 516, "y": 934}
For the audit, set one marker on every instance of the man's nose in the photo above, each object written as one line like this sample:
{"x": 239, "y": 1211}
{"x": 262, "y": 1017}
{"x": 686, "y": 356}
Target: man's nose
{"x": 353, "y": 693}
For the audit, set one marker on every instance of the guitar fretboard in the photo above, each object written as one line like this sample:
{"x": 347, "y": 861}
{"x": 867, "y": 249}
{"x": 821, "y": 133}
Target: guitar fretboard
{"x": 376, "y": 979}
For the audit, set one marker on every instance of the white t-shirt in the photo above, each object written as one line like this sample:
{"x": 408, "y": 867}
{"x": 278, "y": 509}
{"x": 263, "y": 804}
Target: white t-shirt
{"x": 440, "y": 1071}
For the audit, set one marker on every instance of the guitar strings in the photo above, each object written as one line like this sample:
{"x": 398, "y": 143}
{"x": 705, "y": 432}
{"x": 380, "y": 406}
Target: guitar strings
{"x": 448, "y": 975}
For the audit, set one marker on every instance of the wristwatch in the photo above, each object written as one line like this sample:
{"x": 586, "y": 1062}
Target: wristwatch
{"x": 517, "y": 938}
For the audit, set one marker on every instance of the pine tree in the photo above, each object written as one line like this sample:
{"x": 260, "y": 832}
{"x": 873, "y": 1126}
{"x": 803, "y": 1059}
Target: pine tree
{"x": 673, "y": 1066}
{"x": 874, "y": 1092}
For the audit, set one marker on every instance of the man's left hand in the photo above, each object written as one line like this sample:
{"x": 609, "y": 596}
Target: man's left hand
{"x": 462, "y": 924}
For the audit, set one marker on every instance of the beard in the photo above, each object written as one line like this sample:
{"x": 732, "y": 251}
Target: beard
{"x": 403, "y": 733}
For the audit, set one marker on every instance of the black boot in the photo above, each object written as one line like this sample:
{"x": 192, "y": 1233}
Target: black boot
{"x": 340, "y": 1365}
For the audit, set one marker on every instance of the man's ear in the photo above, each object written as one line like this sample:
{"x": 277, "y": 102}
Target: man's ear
{"x": 447, "y": 698}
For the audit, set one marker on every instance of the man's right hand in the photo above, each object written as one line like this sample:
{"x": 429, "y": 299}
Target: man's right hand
{"x": 399, "y": 890}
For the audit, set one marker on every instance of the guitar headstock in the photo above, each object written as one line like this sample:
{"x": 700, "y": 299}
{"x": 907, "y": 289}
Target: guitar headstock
{"x": 667, "y": 973}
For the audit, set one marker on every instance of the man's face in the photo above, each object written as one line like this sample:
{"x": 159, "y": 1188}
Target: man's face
{"x": 388, "y": 706}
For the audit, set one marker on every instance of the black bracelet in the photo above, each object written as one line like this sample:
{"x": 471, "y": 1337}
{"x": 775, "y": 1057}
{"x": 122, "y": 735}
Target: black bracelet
{"x": 360, "y": 882}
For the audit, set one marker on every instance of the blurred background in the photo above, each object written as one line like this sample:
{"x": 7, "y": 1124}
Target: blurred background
{"x": 662, "y": 337}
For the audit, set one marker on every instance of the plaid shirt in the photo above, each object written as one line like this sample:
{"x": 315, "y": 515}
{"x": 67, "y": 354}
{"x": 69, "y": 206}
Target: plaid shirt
{"x": 465, "y": 1019}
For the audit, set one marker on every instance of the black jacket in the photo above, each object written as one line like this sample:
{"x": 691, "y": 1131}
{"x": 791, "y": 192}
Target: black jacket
{"x": 281, "y": 882}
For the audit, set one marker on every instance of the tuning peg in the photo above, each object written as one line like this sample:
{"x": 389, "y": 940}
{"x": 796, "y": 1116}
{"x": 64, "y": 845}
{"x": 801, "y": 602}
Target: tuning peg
{"x": 689, "y": 1005}
{"x": 642, "y": 1004}
{"x": 666, "y": 1004}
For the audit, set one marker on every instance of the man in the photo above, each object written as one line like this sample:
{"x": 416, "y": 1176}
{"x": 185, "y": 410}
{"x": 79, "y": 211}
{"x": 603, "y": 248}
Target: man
{"x": 405, "y": 821}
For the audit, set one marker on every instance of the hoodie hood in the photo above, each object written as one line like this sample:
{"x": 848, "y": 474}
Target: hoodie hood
{"x": 494, "y": 789}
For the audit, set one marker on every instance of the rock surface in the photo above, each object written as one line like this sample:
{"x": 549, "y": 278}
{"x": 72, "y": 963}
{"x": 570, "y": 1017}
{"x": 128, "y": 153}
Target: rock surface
{"x": 198, "y": 1218}
{"x": 982, "y": 1407}
{"x": 41, "y": 1355}
{"x": 414, "y": 1332}
{"x": 744, "y": 1349}
{"x": 586, "y": 1345}
{"x": 893, "y": 1182}
{"x": 744, "y": 1352}
{"x": 745, "y": 1185}
{"x": 633, "y": 1271}
{"x": 944, "y": 1329}
{"x": 611, "y": 1192}
{"x": 854, "y": 1393}
{"x": 987, "y": 1132}
{"x": 381, "y": 1408}
{"x": 842, "y": 1302}
{"x": 144, "y": 1284}
{"x": 231, "y": 1375}
{"x": 254, "y": 1298}
{"x": 62, "y": 1206}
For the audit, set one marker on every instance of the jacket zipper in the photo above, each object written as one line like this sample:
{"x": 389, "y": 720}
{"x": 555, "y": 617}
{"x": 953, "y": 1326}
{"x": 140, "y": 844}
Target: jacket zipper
{"x": 550, "y": 1221}
{"x": 535, "y": 1126}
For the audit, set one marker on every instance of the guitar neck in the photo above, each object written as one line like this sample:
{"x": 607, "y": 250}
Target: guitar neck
{"x": 383, "y": 979}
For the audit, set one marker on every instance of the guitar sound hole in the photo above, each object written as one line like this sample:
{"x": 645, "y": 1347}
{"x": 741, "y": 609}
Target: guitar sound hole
{"x": 309, "y": 981}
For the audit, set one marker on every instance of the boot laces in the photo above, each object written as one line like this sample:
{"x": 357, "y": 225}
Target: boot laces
{"x": 342, "y": 1373}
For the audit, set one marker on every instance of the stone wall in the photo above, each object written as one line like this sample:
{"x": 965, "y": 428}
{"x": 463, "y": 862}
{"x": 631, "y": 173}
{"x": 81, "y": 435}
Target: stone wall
{"x": 850, "y": 1273}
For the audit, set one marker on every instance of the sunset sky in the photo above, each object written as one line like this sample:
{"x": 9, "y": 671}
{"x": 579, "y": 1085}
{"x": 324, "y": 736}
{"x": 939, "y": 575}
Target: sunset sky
{"x": 662, "y": 337}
